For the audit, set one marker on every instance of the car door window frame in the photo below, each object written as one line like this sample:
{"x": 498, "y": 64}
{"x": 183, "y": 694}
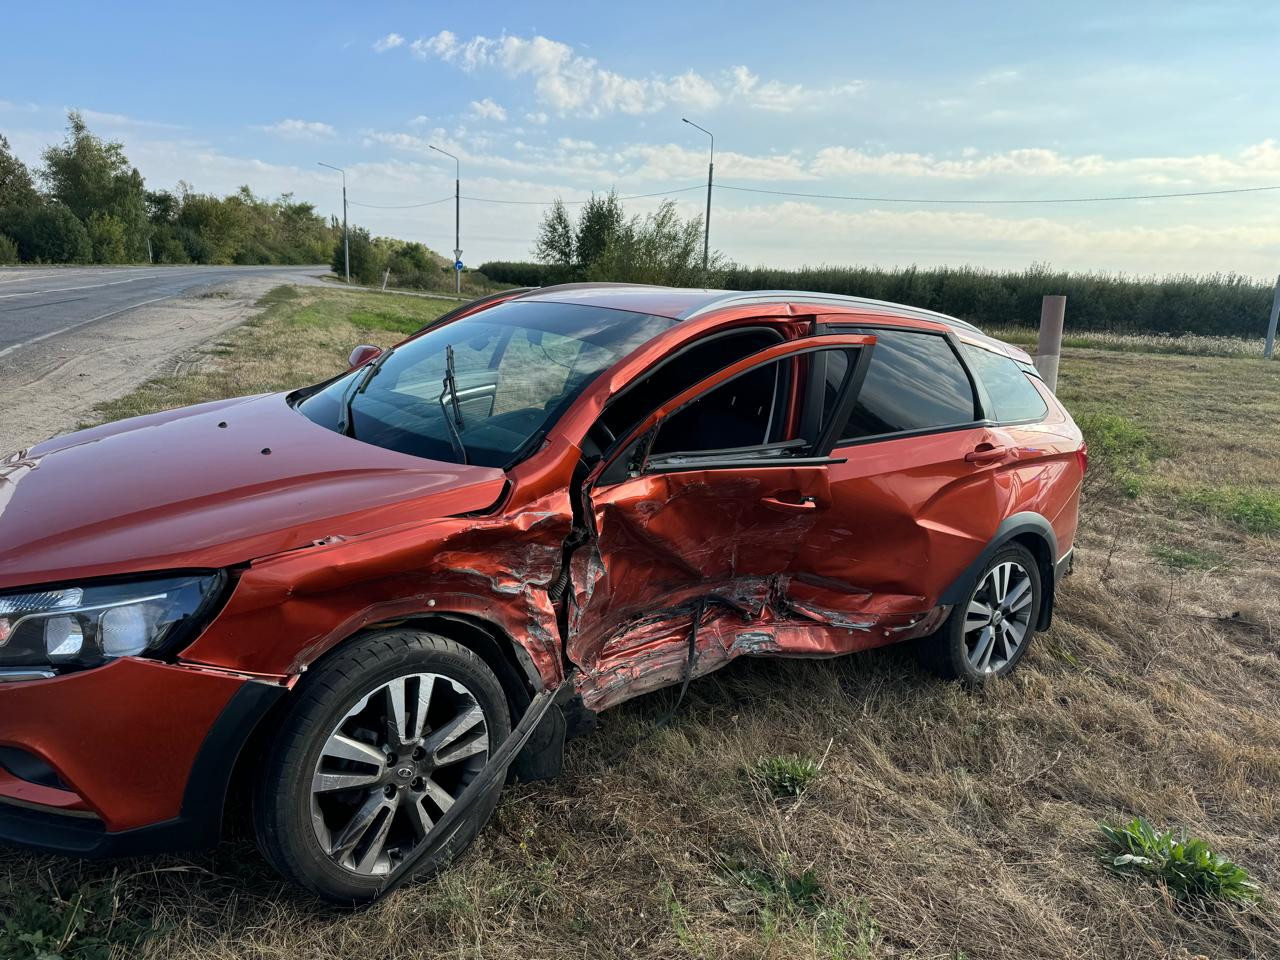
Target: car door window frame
{"x": 729, "y": 458}
{"x": 981, "y": 401}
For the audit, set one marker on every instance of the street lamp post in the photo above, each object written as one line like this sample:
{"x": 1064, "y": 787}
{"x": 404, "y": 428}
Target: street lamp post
{"x": 346, "y": 242}
{"x": 706, "y": 224}
{"x": 457, "y": 216}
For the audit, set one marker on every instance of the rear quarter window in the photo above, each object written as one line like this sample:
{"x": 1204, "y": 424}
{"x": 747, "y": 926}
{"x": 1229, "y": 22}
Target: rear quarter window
{"x": 1012, "y": 394}
{"x": 915, "y": 382}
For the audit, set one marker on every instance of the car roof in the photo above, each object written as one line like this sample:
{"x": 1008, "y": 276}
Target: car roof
{"x": 682, "y": 303}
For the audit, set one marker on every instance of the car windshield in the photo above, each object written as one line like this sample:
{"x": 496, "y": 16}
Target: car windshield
{"x": 481, "y": 389}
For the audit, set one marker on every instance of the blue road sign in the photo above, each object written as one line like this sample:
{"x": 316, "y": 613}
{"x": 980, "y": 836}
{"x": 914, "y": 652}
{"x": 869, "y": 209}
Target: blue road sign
{"x": 457, "y": 264}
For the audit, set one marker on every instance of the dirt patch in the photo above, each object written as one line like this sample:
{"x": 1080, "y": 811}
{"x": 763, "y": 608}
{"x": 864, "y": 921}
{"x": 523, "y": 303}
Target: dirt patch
{"x": 50, "y": 387}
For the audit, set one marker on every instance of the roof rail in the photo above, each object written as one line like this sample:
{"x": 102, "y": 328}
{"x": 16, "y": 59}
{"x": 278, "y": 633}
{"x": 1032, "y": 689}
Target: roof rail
{"x": 742, "y": 298}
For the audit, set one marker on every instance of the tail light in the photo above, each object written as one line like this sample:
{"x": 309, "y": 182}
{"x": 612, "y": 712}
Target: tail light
{"x": 1083, "y": 456}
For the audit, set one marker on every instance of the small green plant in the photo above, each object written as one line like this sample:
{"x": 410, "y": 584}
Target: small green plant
{"x": 785, "y": 776}
{"x": 781, "y": 890}
{"x": 1186, "y": 866}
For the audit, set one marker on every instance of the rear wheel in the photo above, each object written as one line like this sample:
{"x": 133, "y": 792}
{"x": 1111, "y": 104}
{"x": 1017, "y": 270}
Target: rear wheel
{"x": 383, "y": 739}
{"x": 988, "y": 634}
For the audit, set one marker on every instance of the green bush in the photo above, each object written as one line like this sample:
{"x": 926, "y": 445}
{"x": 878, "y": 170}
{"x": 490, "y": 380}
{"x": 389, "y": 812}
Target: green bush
{"x": 107, "y": 234}
{"x": 8, "y": 249}
{"x": 50, "y": 233}
{"x": 1184, "y": 865}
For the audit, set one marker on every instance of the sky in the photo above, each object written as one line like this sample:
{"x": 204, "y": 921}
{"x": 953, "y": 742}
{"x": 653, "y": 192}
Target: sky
{"x": 914, "y": 101}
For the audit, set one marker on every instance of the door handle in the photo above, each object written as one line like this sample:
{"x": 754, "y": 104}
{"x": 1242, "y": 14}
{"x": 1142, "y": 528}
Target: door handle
{"x": 986, "y": 453}
{"x": 803, "y": 505}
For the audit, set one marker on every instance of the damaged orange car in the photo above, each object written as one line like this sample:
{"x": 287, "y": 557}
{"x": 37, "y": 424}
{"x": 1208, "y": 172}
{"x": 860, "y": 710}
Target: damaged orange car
{"x": 373, "y": 600}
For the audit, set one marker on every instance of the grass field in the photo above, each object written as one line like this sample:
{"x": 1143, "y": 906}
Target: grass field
{"x": 855, "y": 808}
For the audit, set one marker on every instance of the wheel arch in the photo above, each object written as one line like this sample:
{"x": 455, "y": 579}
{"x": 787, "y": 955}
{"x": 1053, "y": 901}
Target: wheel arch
{"x": 1031, "y": 530}
{"x": 510, "y": 662}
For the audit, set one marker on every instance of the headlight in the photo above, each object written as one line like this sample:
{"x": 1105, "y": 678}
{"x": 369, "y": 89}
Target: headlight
{"x": 84, "y": 626}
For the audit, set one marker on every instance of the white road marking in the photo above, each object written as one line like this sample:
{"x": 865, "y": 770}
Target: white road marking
{"x": 53, "y": 333}
{"x": 87, "y": 286}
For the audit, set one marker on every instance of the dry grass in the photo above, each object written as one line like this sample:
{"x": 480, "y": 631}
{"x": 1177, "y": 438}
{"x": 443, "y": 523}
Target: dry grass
{"x": 942, "y": 823}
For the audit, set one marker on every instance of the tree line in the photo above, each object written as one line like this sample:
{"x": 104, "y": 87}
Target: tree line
{"x": 86, "y": 203}
{"x": 604, "y": 244}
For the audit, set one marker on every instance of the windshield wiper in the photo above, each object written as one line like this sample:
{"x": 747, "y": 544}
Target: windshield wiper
{"x": 357, "y": 386}
{"x": 450, "y": 392}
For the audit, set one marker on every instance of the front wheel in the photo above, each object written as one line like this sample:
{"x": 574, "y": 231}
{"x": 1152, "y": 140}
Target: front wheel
{"x": 384, "y": 737}
{"x": 987, "y": 635}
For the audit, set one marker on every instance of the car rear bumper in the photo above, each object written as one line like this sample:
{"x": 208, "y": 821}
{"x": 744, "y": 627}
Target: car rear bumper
{"x": 1064, "y": 566}
{"x": 134, "y": 757}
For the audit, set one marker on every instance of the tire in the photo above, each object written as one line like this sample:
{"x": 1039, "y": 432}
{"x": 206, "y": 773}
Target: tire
{"x": 997, "y": 611}
{"x": 344, "y": 793}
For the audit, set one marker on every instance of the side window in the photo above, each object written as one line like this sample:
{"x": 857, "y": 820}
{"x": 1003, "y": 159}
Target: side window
{"x": 747, "y": 411}
{"x": 915, "y": 382}
{"x": 1012, "y": 393}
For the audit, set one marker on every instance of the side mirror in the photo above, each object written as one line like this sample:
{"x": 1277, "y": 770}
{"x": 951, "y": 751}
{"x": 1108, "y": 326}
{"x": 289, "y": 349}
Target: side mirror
{"x": 362, "y": 355}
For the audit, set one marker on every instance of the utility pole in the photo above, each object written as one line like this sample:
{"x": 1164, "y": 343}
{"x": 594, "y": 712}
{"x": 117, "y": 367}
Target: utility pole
{"x": 346, "y": 238}
{"x": 457, "y": 217}
{"x": 1271, "y": 326}
{"x": 706, "y": 224}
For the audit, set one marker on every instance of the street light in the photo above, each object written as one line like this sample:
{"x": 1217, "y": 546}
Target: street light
{"x": 457, "y": 208}
{"x": 346, "y": 246}
{"x": 706, "y": 224}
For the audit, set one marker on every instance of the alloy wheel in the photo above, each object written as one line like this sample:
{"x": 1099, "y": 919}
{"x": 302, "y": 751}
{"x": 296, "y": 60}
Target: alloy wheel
{"x": 998, "y": 617}
{"x": 392, "y": 767}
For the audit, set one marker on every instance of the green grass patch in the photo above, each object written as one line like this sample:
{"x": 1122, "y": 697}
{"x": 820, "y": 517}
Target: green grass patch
{"x": 89, "y": 922}
{"x": 1184, "y": 865}
{"x": 281, "y": 294}
{"x": 1251, "y": 508}
{"x": 1122, "y": 448}
{"x": 1176, "y": 558}
{"x": 784, "y": 776}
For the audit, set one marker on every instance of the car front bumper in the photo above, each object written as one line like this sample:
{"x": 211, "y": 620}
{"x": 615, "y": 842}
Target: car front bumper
{"x": 133, "y": 757}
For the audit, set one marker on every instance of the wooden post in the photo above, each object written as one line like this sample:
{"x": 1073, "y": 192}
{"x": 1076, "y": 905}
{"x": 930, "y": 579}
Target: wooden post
{"x": 385, "y": 277}
{"x": 1271, "y": 326}
{"x": 1053, "y": 311}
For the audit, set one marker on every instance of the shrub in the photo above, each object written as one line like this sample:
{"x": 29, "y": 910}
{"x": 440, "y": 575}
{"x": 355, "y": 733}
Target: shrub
{"x": 1184, "y": 865}
{"x": 51, "y": 233}
{"x": 8, "y": 250}
{"x": 107, "y": 234}
{"x": 785, "y": 776}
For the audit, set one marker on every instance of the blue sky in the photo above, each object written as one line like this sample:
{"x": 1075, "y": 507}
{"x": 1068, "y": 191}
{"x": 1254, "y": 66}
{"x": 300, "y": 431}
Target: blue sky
{"x": 912, "y": 100}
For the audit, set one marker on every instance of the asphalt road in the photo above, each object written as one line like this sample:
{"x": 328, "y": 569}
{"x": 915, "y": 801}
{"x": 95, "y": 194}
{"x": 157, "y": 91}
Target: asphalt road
{"x": 39, "y": 303}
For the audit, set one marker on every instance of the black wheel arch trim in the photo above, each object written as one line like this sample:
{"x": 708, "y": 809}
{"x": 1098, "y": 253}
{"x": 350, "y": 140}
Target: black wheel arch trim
{"x": 1016, "y": 526}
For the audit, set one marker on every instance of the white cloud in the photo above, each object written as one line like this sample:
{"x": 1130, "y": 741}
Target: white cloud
{"x": 486, "y": 109}
{"x": 538, "y": 118}
{"x": 997, "y": 76}
{"x": 1253, "y": 163}
{"x": 570, "y": 83}
{"x": 291, "y": 129}
{"x": 421, "y": 120}
{"x": 389, "y": 42}
{"x": 120, "y": 120}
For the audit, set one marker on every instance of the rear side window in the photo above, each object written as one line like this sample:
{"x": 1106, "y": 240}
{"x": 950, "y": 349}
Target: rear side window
{"x": 1013, "y": 396}
{"x": 915, "y": 382}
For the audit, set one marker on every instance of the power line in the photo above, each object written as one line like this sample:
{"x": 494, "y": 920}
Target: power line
{"x": 1143, "y": 196}
{"x": 401, "y": 206}
{"x": 547, "y": 203}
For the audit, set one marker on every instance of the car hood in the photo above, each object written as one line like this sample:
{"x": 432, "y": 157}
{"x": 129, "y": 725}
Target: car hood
{"x": 207, "y": 486}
